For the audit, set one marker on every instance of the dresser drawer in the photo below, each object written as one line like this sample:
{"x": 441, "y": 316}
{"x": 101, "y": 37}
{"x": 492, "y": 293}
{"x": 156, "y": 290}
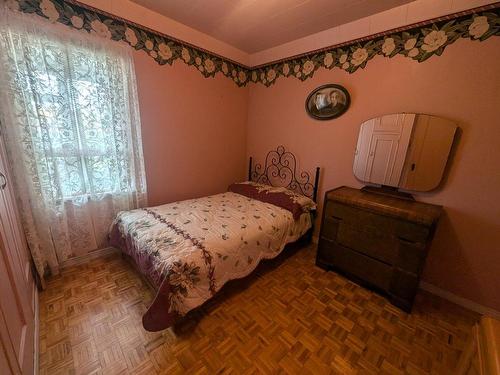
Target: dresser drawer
{"x": 411, "y": 256}
{"x": 388, "y": 249}
{"x": 330, "y": 228}
{"x": 363, "y": 267}
{"x": 403, "y": 284}
{"x": 362, "y": 218}
{"x": 369, "y": 241}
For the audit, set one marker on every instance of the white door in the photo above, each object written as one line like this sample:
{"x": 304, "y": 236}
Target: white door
{"x": 382, "y": 149}
{"x": 17, "y": 288}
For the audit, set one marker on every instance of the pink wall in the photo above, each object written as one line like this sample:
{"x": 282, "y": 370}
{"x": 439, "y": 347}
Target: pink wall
{"x": 197, "y": 133}
{"x": 193, "y": 130}
{"x": 463, "y": 85}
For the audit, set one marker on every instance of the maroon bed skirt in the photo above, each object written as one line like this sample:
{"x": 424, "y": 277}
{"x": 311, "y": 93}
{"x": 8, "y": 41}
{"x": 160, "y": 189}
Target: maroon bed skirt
{"x": 157, "y": 317}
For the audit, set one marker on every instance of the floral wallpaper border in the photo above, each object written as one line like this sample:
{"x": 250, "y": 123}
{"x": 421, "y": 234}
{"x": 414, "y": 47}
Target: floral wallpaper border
{"x": 418, "y": 42}
{"x": 162, "y": 48}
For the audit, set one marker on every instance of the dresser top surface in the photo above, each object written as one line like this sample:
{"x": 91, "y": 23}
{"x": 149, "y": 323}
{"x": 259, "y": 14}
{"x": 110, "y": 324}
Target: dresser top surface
{"x": 423, "y": 213}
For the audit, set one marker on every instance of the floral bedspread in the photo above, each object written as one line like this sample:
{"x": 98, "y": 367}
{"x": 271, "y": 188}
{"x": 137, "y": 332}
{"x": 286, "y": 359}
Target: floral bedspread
{"x": 190, "y": 249}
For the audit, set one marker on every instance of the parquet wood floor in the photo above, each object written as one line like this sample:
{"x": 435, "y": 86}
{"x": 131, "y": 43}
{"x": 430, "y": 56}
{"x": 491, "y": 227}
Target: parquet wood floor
{"x": 289, "y": 317}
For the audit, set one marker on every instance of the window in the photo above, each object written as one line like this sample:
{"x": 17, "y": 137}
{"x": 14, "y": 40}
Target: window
{"x": 70, "y": 122}
{"x": 84, "y": 154}
{"x": 79, "y": 122}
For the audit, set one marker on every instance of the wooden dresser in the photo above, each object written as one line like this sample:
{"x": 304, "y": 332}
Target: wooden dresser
{"x": 377, "y": 241}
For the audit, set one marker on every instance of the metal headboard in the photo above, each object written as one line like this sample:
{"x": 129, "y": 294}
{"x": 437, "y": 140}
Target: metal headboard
{"x": 280, "y": 169}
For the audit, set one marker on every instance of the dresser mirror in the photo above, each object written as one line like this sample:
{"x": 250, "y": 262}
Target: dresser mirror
{"x": 407, "y": 151}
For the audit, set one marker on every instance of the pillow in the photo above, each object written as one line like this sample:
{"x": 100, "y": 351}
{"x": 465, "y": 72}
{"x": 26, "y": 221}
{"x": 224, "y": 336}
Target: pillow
{"x": 278, "y": 196}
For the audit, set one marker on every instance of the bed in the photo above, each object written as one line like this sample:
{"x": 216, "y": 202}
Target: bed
{"x": 188, "y": 250}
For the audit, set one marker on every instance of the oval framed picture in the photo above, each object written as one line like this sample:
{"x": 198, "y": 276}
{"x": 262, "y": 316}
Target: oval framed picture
{"x": 327, "y": 102}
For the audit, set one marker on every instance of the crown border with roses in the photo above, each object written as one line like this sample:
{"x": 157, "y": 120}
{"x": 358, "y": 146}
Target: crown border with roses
{"x": 418, "y": 41}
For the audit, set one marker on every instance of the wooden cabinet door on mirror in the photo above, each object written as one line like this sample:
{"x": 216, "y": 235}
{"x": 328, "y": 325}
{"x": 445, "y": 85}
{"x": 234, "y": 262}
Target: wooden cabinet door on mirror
{"x": 17, "y": 288}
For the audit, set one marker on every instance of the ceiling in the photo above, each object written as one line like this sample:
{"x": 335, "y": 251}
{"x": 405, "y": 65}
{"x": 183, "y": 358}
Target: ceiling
{"x": 256, "y": 25}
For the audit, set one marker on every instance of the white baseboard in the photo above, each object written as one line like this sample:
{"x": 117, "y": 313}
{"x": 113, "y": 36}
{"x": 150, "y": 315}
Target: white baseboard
{"x": 89, "y": 256}
{"x": 36, "y": 340}
{"x": 464, "y": 302}
{"x": 468, "y": 304}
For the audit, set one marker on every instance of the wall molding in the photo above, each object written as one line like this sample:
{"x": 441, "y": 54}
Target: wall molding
{"x": 464, "y": 302}
{"x": 88, "y": 257}
{"x": 417, "y": 41}
{"x": 36, "y": 338}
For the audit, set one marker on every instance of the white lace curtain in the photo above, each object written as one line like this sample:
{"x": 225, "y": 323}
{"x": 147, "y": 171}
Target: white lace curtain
{"x": 70, "y": 122}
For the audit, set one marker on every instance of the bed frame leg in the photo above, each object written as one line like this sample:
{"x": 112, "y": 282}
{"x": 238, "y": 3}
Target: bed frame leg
{"x": 250, "y": 169}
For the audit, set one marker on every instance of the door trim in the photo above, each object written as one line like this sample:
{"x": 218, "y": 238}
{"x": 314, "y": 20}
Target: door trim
{"x": 36, "y": 338}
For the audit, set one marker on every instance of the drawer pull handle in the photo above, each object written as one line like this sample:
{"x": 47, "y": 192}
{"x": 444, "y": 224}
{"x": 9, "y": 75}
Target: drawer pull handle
{"x": 336, "y": 218}
{"x": 405, "y": 240}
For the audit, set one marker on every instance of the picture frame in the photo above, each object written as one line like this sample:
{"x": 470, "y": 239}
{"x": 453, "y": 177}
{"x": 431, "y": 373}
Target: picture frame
{"x": 327, "y": 102}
